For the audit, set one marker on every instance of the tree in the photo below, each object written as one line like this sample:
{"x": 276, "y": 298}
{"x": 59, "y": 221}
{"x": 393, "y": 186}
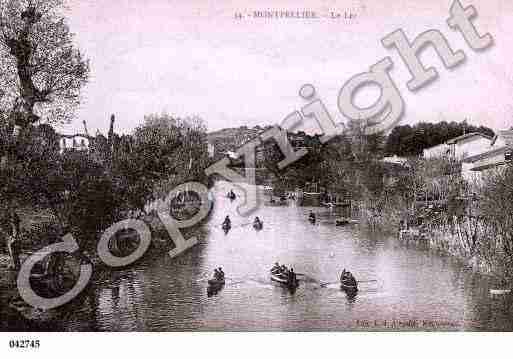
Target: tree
{"x": 41, "y": 75}
{"x": 162, "y": 153}
{"x": 496, "y": 206}
{"x": 42, "y": 72}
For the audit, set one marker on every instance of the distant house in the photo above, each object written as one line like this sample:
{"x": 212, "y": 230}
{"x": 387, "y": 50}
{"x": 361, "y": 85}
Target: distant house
{"x": 393, "y": 166}
{"x": 494, "y": 156}
{"x": 460, "y": 147}
{"x": 402, "y": 161}
{"x": 76, "y": 142}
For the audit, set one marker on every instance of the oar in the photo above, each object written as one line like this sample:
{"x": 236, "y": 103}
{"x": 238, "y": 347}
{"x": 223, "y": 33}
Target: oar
{"x": 325, "y": 284}
{"x": 236, "y": 226}
{"x": 307, "y": 277}
{"x": 233, "y": 281}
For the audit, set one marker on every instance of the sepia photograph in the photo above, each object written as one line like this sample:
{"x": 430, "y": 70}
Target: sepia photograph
{"x": 234, "y": 167}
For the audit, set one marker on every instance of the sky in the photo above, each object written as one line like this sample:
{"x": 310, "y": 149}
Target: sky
{"x": 195, "y": 58}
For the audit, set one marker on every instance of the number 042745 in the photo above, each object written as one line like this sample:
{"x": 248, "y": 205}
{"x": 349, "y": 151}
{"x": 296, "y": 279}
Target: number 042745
{"x": 24, "y": 344}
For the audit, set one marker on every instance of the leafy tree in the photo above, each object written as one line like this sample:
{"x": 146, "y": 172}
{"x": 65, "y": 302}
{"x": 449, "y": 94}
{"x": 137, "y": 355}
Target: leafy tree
{"x": 42, "y": 72}
{"x": 496, "y": 206}
{"x": 162, "y": 153}
{"x": 41, "y": 75}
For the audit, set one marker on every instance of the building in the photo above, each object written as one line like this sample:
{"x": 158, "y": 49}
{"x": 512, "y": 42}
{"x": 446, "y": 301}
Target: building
{"x": 76, "y": 142}
{"x": 460, "y": 147}
{"x": 394, "y": 167}
{"x": 492, "y": 157}
{"x": 396, "y": 160}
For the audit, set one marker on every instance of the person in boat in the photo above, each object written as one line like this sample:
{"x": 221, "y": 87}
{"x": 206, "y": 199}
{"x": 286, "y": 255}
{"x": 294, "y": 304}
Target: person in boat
{"x": 343, "y": 275}
{"x": 348, "y": 278}
{"x": 227, "y": 222}
{"x": 221, "y": 273}
{"x": 291, "y": 277}
{"x": 283, "y": 269}
{"x": 257, "y": 222}
{"x": 216, "y": 274}
{"x": 231, "y": 194}
{"x": 311, "y": 216}
{"x": 276, "y": 268}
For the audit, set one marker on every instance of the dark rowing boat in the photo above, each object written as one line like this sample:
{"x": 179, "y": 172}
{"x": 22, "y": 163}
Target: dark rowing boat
{"x": 341, "y": 222}
{"x": 258, "y": 225}
{"x": 216, "y": 283}
{"x": 226, "y": 227}
{"x": 349, "y": 285}
{"x": 214, "y": 286}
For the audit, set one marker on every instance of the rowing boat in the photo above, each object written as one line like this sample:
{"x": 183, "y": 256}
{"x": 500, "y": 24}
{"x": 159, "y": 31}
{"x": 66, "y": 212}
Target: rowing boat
{"x": 283, "y": 279}
{"x": 214, "y": 286}
{"x": 349, "y": 285}
{"x": 341, "y": 222}
{"x": 258, "y": 225}
{"x": 216, "y": 282}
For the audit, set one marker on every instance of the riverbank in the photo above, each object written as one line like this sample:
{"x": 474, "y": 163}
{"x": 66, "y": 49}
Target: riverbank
{"x": 161, "y": 244}
{"x": 469, "y": 240}
{"x": 472, "y": 241}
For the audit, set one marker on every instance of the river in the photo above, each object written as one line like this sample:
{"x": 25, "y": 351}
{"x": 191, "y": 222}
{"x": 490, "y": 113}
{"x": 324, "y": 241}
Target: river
{"x": 403, "y": 286}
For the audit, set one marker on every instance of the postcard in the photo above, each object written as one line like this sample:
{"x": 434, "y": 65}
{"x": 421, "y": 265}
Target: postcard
{"x": 255, "y": 166}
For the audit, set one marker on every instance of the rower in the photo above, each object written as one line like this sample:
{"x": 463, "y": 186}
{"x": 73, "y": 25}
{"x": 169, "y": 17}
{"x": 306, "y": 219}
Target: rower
{"x": 311, "y": 216}
{"x": 344, "y": 274}
{"x": 292, "y": 276}
{"x": 276, "y": 268}
{"x": 221, "y": 273}
{"x": 257, "y": 221}
{"x": 227, "y": 221}
{"x": 351, "y": 278}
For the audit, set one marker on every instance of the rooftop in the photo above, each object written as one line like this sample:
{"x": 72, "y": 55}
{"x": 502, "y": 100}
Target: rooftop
{"x": 466, "y": 136}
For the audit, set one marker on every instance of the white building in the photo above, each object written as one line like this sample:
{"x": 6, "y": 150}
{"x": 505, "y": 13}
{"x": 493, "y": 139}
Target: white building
{"x": 460, "y": 147}
{"x": 396, "y": 160}
{"x": 74, "y": 142}
{"x": 493, "y": 156}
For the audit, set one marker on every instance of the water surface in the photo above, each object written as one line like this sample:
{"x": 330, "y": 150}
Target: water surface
{"x": 409, "y": 288}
